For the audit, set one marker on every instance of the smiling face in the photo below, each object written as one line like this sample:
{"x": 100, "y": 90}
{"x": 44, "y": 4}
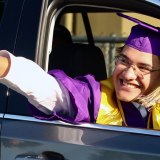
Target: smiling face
{"x": 128, "y": 84}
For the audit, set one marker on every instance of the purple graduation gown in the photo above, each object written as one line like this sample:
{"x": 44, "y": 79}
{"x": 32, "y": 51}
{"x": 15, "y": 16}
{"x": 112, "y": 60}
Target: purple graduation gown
{"x": 85, "y": 98}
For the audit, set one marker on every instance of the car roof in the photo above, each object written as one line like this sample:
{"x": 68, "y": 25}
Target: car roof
{"x": 147, "y": 7}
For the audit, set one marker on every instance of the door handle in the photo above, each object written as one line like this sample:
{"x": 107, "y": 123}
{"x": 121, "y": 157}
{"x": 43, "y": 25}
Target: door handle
{"x": 29, "y": 157}
{"x": 47, "y": 155}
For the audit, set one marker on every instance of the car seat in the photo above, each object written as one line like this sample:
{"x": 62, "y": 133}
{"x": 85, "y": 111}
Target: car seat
{"x": 77, "y": 59}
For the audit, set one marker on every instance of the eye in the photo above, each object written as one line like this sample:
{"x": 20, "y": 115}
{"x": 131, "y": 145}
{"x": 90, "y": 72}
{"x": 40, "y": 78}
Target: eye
{"x": 123, "y": 60}
{"x": 145, "y": 69}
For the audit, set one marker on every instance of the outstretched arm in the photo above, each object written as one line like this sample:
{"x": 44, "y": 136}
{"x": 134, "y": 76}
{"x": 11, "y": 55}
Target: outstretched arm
{"x": 27, "y": 78}
{"x": 55, "y": 94}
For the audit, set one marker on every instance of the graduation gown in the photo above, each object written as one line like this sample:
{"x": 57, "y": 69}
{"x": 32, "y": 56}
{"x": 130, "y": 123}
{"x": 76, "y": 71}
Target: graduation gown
{"x": 96, "y": 102}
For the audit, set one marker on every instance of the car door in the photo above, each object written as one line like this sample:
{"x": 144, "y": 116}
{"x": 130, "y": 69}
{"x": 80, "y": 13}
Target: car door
{"x": 24, "y": 137}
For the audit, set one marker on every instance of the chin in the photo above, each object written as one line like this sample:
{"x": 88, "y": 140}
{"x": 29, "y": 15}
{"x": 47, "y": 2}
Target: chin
{"x": 126, "y": 97}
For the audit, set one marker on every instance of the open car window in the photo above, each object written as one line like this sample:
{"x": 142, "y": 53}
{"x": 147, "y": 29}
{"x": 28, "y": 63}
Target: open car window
{"x": 98, "y": 27}
{"x": 103, "y": 29}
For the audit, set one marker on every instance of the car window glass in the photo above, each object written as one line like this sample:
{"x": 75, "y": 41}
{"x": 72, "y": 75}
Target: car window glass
{"x": 2, "y": 3}
{"x": 3, "y": 89}
{"x": 25, "y": 33}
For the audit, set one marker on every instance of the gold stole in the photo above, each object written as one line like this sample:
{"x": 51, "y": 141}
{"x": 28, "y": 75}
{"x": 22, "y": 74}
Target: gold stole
{"x": 155, "y": 116}
{"x": 111, "y": 112}
{"x": 108, "y": 113}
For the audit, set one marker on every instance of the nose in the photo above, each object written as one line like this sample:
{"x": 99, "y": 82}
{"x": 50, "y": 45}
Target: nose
{"x": 130, "y": 73}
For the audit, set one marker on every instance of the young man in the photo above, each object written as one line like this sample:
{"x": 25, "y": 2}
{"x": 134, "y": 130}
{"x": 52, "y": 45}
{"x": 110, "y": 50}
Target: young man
{"x": 129, "y": 98}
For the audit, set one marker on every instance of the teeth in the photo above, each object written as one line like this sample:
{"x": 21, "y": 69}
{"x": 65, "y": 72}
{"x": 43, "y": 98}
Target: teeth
{"x": 128, "y": 85}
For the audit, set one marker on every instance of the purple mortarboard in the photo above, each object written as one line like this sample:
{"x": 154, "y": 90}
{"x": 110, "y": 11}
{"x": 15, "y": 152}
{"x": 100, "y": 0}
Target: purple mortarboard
{"x": 143, "y": 37}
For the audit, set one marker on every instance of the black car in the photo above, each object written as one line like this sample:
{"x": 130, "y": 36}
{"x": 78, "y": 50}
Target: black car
{"x": 27, "y": 29}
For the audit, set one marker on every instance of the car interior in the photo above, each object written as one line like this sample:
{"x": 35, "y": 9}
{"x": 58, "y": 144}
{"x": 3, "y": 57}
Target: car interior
{"x": 75, "y": 58}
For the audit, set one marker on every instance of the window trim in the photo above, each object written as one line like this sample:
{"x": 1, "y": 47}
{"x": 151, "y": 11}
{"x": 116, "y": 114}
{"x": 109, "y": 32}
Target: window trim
{"x": 121, "y": 129}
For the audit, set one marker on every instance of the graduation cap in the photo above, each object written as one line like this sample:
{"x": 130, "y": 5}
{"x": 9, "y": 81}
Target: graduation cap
{"x": 143, "y": 37}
